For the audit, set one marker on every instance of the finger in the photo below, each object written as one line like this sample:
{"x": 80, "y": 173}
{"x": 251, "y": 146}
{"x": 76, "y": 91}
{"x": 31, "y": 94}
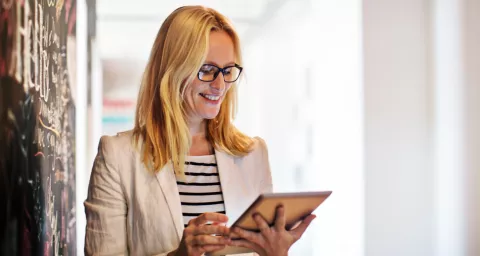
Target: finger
{"x": 294, "y": 226}
{"x": 198, "y": 241}
{"x": 210, "y": 240}
{"x": 211, "y": 248}
{"x": 280, "y": 219}
{"x": 233, "y": 235}
{"x": 245, "y": 234}
{"x": 298, "y": 232}
{"x": 211, "y": 230}
{"x": 261, "y": 224}
{"x": 246, "y": 244}
{"x": 209, "y": 216}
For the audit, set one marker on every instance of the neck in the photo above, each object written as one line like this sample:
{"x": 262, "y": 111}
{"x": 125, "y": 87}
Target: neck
{"x": 200, "y": 145}
{"x": 197, "y": 128}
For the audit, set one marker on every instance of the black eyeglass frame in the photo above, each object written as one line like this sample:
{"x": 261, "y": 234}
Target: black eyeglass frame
{"x": 223, "y": 70}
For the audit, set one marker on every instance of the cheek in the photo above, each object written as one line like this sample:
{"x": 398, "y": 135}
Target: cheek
{"x": 227, "y": 88}
{"x": 194, "y": 88}
{"x": 191, "y": 94}
{"x": 188, "y": 97}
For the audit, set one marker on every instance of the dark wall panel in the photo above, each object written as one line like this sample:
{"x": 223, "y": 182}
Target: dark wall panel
{"x": 37, "y": 127}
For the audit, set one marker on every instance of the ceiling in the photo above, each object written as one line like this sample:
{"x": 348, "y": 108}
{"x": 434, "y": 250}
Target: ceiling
{"x": 126, "y": 29}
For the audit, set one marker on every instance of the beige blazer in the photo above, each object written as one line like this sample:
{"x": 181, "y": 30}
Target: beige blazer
{"x": 131, "y": 211}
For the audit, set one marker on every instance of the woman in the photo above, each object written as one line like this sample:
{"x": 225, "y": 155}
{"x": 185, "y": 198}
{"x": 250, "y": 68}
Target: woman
{"x": 167, "y": 187}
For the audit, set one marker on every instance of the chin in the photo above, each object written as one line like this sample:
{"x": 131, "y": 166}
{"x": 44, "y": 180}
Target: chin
{"x": 210, "y": 115}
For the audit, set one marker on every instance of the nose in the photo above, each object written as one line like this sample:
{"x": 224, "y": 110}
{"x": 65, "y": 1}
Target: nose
{"x": 219, "y": 83}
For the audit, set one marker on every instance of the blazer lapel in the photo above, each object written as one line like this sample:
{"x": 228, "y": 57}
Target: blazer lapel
{"x": 229, "y": 179}
{"x": 228, "y": 173}
{"x": 168, "y": 183}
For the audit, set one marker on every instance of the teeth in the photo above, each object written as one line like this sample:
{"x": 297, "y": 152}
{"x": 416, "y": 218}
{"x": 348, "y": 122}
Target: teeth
{"x": 211, "y": 97}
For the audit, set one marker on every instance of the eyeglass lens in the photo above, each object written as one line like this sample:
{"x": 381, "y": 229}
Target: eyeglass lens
{"x": 209, "y": 72}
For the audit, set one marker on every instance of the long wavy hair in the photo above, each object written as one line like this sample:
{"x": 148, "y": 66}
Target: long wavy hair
{"x": 178, "y": 52}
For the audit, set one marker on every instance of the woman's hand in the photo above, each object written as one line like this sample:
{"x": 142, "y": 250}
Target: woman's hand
{"x": 198, "y": 236}
{"x": 271, "y": 241}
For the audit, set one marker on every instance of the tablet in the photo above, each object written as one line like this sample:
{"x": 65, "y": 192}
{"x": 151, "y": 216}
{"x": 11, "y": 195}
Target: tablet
{"x": 298, "y": 205}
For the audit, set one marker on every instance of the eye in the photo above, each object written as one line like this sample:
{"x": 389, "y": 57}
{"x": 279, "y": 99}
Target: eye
{"x": 208, "y": 69}
{"x": 228, "y": 71}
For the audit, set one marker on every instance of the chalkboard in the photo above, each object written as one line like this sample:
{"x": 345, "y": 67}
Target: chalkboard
{"x": 37, "y": 127}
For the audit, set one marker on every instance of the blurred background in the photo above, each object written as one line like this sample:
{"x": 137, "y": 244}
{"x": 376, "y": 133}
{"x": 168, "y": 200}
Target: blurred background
{"x": 378, "y": 101}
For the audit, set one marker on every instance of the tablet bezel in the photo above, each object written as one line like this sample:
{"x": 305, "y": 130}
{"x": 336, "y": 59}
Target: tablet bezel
{"x": 304, "y": 204}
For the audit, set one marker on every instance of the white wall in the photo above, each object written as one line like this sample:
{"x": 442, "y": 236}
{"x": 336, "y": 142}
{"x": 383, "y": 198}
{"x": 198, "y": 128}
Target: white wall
{"x": 457, "y": 134}
{"x": 422, "y": 130}
{"x": 398, "y": 118}
{"x": 472, "y": 117}
{"x": 449, "y": 124}
{"x": 81, "y": 165}
{"x": 303, "y": 94}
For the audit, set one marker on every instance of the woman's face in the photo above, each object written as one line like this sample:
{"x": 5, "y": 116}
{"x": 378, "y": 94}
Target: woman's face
{"x": 203, "y": 99}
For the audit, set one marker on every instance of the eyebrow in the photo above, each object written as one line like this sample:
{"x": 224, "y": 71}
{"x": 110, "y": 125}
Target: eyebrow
{"x": 232, "y": 63}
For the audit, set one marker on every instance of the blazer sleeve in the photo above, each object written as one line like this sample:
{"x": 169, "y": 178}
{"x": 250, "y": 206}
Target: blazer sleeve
{"x": 266, "y": 185}
{"x": 105, "y": 207}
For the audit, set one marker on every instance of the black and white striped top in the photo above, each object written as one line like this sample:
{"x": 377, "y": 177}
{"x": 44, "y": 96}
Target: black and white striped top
{"x": 202, "y": 191}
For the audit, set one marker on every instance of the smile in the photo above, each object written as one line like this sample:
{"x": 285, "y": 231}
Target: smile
{"x": 210, "y": 97}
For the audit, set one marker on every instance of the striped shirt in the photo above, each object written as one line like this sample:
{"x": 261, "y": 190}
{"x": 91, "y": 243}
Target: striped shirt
{"x": 201, "y": 192}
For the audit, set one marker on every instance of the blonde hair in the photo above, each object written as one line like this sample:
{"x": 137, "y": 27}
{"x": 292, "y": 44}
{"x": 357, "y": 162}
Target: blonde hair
{"x": 178, "y": 52}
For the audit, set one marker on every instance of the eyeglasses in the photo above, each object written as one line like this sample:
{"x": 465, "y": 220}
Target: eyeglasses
{"x": 209, "y": 73}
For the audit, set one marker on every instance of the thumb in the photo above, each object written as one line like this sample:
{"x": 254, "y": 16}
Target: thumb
{"x": 300, "y": 229}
